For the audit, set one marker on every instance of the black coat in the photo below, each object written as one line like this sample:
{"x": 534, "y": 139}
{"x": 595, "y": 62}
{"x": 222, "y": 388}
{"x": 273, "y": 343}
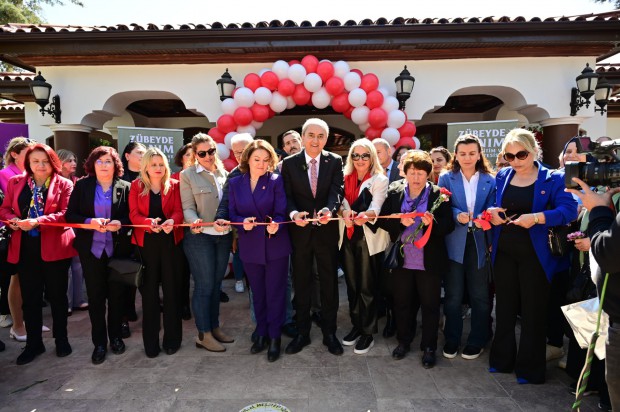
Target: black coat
{"x": 435, "y": 252}
{"x": 82, "y": 207}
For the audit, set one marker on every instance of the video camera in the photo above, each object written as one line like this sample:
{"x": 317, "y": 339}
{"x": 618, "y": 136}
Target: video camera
{"x": 605, "y": 172}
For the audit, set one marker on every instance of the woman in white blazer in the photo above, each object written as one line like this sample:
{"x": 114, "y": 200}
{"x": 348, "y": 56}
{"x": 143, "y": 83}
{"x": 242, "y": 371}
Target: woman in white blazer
{"x": 365, "y": 189}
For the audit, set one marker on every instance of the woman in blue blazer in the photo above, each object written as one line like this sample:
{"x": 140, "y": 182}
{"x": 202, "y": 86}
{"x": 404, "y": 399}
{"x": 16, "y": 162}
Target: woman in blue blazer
{"x": 258, "y": 196}
{"x": 530, "y": 199}
{"x": 472, "y": 185}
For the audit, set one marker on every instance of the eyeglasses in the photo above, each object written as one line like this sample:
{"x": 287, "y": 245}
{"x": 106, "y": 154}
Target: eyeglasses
{"x": 357, "y": 156}
{"x": 522, "y": 155}
{"x": 201, "y": 154}
{"x": 100, "y": 162}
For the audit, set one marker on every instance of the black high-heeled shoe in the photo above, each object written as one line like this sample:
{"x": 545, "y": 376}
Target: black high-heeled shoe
{"x": 259, "y": 345}
{"x": 273, "y": 353}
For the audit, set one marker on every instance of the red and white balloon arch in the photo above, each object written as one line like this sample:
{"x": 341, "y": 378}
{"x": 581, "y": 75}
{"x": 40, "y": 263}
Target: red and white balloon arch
{"x": 320, "y": 84}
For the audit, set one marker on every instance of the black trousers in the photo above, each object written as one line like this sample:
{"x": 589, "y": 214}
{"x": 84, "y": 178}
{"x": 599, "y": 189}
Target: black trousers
{"x": 412, "y": 289}
{"x": 520, "y": 284}
{"x": 35, "y": 275}
{"x": 360, "y": 271}
{"x": 326, "y": 255}
{"x": 556, "y": 322}
{"x": 100, "y": 290}
{"x": 162, "y": 260}
{"x": 6, "y": 271}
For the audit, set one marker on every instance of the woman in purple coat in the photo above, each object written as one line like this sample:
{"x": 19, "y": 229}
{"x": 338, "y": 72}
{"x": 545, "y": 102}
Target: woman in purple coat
{"x": 258, "y": 196}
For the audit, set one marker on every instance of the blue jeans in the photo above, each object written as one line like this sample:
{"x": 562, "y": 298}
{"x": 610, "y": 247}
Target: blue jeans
{"x": 476, "y": 279}
{"x": 612, "y": 364}
{"x": 208, "y": 258}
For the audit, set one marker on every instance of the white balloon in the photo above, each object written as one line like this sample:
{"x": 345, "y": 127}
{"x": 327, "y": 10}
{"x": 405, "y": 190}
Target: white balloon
{"x": 297, "y": 73}
{"x": 359, "y": 115}
{"x": 262, "y": 95}
{"x": 313, "y": 82}
{"x": 222, "y": 151}
{"x": 281, "y": 69}
{"x": 262, "y": 71}
{"x": 417, "y": 142}
{"x": 341, "y": 68}
{"x": 357, "y": 97}
{"x": 396, "y": 118}
{"x": 228, "y": 138}
{"x": 390, "y": 103}
{"x": 278, "y": 102}
{"x": 384, "y": 92}
{"x": 290, "y": 102}
{"x": 229, "y": 106}
{"x": 321, "y": 98}
{"x": 244, "y": 97}
{"x": 352, "y": 81}
{"x": 247, "y": 129}
{"x": 391, "y": 135}
{"x": 256, "y": 125}
{"x": 364, "y": 127}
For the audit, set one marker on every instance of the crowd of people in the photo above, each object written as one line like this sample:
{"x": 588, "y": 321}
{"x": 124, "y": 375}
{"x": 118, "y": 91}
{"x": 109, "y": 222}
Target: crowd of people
{"x": 291, "y": 225}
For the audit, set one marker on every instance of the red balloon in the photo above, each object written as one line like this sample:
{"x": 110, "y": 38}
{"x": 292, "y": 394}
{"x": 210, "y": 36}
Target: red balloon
{"x": 406, "y": 141}
{"x": 370, "y": 82}
{"x": 226, "y": 124}
{"x": 271, "y": 112}
{"x": 260, "y": 113}
{"x": 229, "y": 164}
{"x": 358, "y": 71}
{"x": 252, "y": 81}
{"x": 216, "y": 134}
{"x": 301, "y": 95}
{"x": 269, "y": 80}
{"x": 325, "y": 70}
{"x": 292, "y": 62}
{"x": 407, "y": 130}
{"x": 341, "y": 103}
{"x": 373, "y": 132}
{"x": 377, "y": 118}
{"x": 374, "y": 99}
{"x": 243, "y": 116}
{"x": 310, "y": 63}
{"x": 347, "y": 114}
{"x": 334, "y": 86}
{"x": 286, "y": 87}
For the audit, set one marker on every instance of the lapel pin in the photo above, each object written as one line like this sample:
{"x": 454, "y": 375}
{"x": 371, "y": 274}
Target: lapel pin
{"x": 542, "y": 192}
{"x": 263, "y": 187}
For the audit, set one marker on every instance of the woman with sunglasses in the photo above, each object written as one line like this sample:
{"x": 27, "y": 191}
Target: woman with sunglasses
{"x": 365, "y": 188}
{"x": 523, "y": 263}
{"x": 257, "y": 195}
{"x": 155, "y": 201}
{"x": 207, "y": 250}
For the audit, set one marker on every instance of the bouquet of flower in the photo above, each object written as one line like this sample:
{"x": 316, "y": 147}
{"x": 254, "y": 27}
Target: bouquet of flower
{"x": 444, "y": 196}
{"x": 571, "y": 237}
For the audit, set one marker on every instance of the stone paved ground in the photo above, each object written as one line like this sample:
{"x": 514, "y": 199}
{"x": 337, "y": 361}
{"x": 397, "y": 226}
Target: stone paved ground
{"x": 313, "y": 380}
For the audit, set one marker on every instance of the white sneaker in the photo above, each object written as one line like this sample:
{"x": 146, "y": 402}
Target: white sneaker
{"x": 340, "y": 272}
{"x": 239, "y": 286}
{"x": 6, "y": 321}
{"x": 45, "y": 329}
{"x": 553, "y": 352}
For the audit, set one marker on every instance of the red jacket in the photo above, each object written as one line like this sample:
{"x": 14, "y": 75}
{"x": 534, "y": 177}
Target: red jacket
{"x": 56, "y": 242}
{"x": 139, "y": 209}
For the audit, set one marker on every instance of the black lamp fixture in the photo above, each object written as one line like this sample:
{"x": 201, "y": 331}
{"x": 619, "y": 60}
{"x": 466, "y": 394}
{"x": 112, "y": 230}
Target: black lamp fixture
{"x": 404, "y": 86}
{"x": 588, "y": 85}
{"x": 41, "y": 91}
{"x": 225, "y": 85}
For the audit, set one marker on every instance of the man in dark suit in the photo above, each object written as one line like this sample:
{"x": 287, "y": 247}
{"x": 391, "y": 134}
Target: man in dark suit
{"x": 384, "y": 152}
{"x": 313, "y": 182}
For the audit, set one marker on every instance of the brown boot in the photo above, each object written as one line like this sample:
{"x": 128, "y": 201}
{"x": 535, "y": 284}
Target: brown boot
{"x": 208, "y": 342}
{"x": 221, "y": 336}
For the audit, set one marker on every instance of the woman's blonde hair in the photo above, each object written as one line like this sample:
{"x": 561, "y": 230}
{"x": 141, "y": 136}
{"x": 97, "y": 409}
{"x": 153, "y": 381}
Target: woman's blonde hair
{"x": 253, "y": 146}
{"x": 205, "y": 138}
{"x": 16, "y": 145}
{"x": 144, "y": 176}
{"x": 525, "y": 138}
{"x": 375, "y": 166}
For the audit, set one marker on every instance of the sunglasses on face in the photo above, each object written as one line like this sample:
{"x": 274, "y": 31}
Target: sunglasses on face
{"x": 357, "y": 156}
{"x": 201, "y": 154}
{"x": 522, "y": 155}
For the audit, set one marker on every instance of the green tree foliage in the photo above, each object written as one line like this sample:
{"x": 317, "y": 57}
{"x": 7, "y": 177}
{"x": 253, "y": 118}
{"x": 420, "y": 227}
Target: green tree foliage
{"x": 27, "y": 11}
{"x": 616, "y": 3}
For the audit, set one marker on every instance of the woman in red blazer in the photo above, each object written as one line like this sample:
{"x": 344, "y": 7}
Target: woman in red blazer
{"x": 155, "y": 201}
{"x": 42, "y": 253}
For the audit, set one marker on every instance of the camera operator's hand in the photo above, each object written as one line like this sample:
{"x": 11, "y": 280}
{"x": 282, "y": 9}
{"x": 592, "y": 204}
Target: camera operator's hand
{"x": 592, "y": 199}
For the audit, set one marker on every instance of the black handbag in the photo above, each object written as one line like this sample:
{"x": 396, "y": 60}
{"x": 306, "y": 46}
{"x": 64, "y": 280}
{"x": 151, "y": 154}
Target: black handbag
{"x": 393, "y": 258}
{"x": 127, "y": 270}
{"x": 5, "y": 239}
{"x": 558, "y": 240}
